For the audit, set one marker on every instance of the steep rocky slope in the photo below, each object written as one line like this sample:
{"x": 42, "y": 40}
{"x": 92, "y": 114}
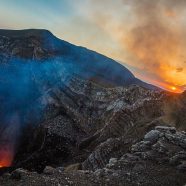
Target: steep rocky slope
{"x": 55, "y": 112}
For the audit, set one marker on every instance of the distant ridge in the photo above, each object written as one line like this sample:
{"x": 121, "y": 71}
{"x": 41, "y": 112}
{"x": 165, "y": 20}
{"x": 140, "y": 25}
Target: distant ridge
{"x": 25, "y": 32}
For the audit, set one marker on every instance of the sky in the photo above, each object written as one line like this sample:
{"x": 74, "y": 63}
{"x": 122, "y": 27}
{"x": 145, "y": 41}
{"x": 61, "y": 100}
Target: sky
{"x": 147, "y": 36}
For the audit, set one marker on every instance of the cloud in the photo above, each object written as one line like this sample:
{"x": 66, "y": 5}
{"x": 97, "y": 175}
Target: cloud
{"x": 151, "y": 34}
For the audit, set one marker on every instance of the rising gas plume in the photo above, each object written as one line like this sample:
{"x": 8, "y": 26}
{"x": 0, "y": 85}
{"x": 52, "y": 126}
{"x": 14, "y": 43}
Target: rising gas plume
{"x": 157, "y": 39}
{"x": 151, "y": 35}
{"x": 22, "y": 85}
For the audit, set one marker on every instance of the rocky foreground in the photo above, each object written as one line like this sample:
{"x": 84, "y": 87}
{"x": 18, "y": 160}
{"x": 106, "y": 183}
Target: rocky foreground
{"x": 159, "y": 159}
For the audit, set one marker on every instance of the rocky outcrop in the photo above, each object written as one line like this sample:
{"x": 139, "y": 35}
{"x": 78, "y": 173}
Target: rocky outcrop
{"x": 164, "y": 144}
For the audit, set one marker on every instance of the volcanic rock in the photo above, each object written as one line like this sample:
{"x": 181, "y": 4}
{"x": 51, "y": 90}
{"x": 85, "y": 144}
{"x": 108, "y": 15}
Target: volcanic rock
{"x": 98, "y": 122}
{"x": 48, "y": 170}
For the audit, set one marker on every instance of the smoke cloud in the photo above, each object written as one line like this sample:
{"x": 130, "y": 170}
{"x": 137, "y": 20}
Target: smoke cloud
{"x": 157, "y": 38}
{"x": 151, "y": 35}
{"x": 23, "y": 87}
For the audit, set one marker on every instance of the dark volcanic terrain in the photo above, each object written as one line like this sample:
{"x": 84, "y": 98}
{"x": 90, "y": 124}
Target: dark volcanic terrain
{"x": 70, "y": 116}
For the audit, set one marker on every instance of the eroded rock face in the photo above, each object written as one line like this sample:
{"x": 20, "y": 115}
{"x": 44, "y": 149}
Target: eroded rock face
{"x": 86, "y": 115}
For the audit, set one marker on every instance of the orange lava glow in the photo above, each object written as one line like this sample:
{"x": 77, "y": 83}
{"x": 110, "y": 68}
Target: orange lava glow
{"x": 164, "y": 64}
{"x": 6, "y": 157}
{"x": 173, "y": 88}
{"x": 170, "y": 88}
{"x": 164, "y": 85}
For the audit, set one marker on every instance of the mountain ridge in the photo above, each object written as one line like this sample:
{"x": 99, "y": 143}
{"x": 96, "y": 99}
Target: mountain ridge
{"x": 109, "y": 71}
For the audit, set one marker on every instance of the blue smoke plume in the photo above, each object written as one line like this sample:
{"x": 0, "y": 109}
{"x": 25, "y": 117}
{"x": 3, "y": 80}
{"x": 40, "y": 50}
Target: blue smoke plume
{"x": 22, "y": 84}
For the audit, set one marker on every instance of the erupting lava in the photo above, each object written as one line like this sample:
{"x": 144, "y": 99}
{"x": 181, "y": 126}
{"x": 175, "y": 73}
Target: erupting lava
{"x": 8, "y": 140}
{"x": 6, "y": 156}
